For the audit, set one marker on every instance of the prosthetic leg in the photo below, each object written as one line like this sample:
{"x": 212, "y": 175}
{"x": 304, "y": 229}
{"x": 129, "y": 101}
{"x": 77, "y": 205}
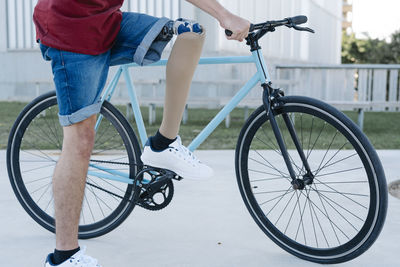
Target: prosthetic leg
{"x": 181, "y": 65}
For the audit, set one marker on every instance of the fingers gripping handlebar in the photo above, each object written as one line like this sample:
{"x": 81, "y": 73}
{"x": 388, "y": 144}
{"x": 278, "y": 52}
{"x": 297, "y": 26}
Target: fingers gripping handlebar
{"x": 229, "y": 32}
{"x": 270, "y": 25}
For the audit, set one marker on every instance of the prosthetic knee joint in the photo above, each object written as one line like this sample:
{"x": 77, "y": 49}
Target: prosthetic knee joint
{"x": 178, "y": 27}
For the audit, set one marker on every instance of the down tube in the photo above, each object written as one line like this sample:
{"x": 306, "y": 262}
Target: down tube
{"x": 224, "y": 112}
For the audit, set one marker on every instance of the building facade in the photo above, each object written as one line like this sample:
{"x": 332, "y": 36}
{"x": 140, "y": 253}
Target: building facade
{"x": 347, "y": 24}
{"x": 23, "y": 74}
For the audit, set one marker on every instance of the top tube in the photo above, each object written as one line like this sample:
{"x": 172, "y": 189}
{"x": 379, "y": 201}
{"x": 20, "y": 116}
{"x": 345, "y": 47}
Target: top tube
{"x": 204, "y": 61}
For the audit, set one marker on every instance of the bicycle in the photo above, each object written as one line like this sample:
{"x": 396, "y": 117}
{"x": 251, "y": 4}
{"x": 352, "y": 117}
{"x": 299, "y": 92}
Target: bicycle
{"x": 292, "y": 165}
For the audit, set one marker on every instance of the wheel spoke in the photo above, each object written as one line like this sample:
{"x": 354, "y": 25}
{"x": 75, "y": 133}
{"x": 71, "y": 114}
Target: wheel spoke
{"x": 99, "y": 198}
{"x": 269, "y": 179}
{"x": 90, "y": 209}
{"x": 39, "y": 179}
{"x": 334, "y": 202}
{"x": 326, "y": 152}
{"x": 269, "y": 164}
{"x": 301, "y": 218}
{"x": 332, "y": 223}
{"x": 291, "y": 215}
{"x": 279, "y": 200}
{"x": 312, "y": 220}
{"x": 37, "y": 168}
{"x": 47, "y": 188}
{"x": 341, "y": 194}
{"x": 287, "y": 204}
{"x": 316, "y": 140}
{"x": 341, "y": 171}
{"x": 272, "y": 199}
{"x": 341, "y": 215}
{"x": 333, "y": 163}
{"x": 37, "y": 189}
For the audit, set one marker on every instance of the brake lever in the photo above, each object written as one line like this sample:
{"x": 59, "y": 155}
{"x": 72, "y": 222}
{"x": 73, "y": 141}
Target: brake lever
{"x": 304, "y": 29}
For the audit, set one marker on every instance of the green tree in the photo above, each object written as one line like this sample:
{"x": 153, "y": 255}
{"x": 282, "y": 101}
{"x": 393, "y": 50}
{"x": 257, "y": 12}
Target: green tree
{"x": 371, "y": 51}
{"x": 395, "y": 47}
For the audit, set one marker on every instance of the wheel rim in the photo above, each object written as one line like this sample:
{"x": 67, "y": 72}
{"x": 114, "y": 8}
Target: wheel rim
{"x": 38, "y": 152}
{"x": 254, "y": 183}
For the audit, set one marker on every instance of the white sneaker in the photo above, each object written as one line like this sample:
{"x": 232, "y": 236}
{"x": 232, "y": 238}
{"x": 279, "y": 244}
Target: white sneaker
{"x": 79, "y": 259}
{"x": 178, "y": 159}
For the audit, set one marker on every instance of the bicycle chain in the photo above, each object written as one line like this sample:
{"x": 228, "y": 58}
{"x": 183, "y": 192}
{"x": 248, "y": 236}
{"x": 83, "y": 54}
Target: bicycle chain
{"x": 114, "y": 162}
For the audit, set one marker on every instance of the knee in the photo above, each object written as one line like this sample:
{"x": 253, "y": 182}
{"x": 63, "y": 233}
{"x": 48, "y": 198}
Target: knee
{"x": 184, "y": 25}
{"x": 179, "y": 27}
{"x": 192, "y": 39}
{"x": 80, "y": 138}
{"x": 86, "y": 142}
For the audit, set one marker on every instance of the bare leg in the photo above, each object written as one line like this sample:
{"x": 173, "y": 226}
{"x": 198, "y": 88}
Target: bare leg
{"x": 69, "y": 181}
{"x": 181, "y": 65}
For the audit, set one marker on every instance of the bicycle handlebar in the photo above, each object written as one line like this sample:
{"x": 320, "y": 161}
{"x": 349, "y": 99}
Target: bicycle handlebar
{"x": 291, "y": 22}
{"x": 229, "y": 32}
{"x": 298, "y": 19}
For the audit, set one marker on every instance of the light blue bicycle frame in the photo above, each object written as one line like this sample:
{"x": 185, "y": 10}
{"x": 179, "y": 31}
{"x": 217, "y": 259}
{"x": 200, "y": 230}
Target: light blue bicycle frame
{"x": 261, "y": 76}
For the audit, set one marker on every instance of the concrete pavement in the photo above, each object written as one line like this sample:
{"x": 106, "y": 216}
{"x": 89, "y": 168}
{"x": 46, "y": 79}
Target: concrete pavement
{"x": 206, "y": 224}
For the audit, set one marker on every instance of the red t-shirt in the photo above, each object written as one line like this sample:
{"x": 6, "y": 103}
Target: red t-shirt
{"x": 81, "y": 26}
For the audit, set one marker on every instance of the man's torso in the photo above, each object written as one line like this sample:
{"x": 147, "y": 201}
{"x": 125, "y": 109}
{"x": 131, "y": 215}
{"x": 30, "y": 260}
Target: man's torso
{"x": 88, "y": 27}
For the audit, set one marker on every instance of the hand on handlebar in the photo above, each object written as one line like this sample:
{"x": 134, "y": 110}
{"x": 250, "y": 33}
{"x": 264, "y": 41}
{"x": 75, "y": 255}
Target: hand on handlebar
{"x": 237, "y": 25}
{"x": 269, "y": 26}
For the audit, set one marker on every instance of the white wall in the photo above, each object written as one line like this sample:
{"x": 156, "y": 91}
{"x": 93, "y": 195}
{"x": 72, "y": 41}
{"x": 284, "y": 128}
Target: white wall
{"x": 3, "y": 30}
{"x": 287, "y": 45}
{"x": 23, "y": 71}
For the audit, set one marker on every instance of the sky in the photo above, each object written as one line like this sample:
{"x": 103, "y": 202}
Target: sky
{"x": 380, "y": 18}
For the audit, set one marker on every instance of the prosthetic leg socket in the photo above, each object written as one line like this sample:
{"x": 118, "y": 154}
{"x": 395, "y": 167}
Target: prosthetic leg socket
{"x": 180, "y": 69}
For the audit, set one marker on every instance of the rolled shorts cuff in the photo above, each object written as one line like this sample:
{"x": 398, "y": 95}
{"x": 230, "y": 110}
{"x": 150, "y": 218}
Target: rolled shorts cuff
{"x": 149, "y": 51}
{"x": 80, "y": 115}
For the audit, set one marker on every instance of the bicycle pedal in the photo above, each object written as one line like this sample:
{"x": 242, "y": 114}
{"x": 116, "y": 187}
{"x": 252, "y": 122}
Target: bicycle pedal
{"x": 163, "y": 172}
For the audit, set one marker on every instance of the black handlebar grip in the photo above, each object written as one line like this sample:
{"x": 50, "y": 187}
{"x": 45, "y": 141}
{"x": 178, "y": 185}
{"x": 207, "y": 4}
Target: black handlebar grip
{"x": 299, "y": 20}
{"x": 251, "y": 27}
{"x": 229, "y": 32}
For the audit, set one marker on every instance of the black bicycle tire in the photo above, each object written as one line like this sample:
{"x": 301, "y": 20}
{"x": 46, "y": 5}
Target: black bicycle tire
{"x": 240, "y": 165}
{"x": 16, "y": 134}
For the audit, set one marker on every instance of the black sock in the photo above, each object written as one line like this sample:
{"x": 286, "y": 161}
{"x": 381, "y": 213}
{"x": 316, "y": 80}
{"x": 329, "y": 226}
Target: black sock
{"x": 60, "y": 256}
{"x": 160, "y": 142}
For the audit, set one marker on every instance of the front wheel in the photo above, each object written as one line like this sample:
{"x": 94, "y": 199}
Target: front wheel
{"x": 340, "y": 214}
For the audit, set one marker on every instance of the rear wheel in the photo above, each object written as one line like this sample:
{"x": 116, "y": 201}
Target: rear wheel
{"x": 341, "y": 212}
{"x": 34, "y": 148}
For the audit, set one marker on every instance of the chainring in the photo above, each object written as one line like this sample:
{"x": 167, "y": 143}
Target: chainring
{"x": 156, "y": 193}
{"x": 157, "y": 199}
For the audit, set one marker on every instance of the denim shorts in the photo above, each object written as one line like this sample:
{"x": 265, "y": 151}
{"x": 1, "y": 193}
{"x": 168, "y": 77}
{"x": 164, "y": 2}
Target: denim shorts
{"x": 79, "y": 78}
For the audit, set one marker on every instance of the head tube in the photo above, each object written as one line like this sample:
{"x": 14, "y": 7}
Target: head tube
{"x": 262, "y": 68}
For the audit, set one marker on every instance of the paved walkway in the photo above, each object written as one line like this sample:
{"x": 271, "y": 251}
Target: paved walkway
{"x": 206, "y": 224}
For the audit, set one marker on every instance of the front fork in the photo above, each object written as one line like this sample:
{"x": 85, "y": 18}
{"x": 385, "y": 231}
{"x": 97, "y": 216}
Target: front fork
{"x": 270, "y": 102}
